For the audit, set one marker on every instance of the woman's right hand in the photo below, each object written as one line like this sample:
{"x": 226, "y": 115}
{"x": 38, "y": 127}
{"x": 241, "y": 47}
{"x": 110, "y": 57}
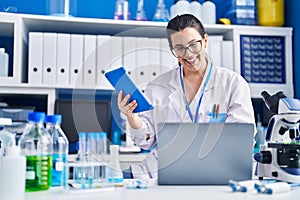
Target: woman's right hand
{"x": 127, "y": 109}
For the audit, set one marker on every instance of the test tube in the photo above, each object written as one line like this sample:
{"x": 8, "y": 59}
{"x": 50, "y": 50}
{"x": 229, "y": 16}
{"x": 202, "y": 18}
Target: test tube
{"x": 91, "y": 148}
{"x": 80, "y": 171}
{"x": 101, "y": 140}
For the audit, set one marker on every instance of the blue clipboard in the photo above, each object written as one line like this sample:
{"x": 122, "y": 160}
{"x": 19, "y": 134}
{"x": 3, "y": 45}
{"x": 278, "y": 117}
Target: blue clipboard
{"x": 120, "y": 80}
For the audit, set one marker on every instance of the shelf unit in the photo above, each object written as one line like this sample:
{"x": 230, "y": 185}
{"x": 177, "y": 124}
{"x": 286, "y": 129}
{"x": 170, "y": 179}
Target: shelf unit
{"x": 18, "y": 26}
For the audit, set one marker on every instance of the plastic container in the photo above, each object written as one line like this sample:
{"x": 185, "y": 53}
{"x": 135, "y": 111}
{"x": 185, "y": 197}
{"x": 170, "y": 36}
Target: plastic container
{"x": 36, "y": 144}
{"x": 12, "y": 171}
{"x": 114, "y": 172}
{"x": 243, "y": 12}
{"x": 196, "y": 9}
{"x": 3, "y": 62}
{"x": 208, "y": 12}
{"x": 60, "y": 149}
{"x": 270, "y": 12}
{"x": 181, "y": 7}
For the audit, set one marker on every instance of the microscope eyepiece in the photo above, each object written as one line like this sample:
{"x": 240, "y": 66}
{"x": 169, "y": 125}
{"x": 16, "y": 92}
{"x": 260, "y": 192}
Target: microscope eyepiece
{"x": 280, "y": 95}
{"x": 265, "y": 95}
{"x": 272, "y": 101}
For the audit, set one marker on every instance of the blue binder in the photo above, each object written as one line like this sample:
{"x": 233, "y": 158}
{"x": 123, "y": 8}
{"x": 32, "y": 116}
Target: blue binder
{"x": 120, "y": 80}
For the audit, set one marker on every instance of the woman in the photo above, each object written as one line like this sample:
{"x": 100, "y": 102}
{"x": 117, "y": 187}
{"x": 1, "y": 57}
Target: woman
{"x": 195, "y": 91}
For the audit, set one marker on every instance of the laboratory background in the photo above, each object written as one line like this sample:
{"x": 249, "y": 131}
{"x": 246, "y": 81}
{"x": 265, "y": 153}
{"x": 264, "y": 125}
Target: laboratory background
{"x": 44, "y": 42}
{"x": 105, "y": 10}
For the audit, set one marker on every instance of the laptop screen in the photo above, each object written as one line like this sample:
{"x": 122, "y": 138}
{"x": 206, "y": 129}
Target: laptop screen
{"x": 204, "y": 154}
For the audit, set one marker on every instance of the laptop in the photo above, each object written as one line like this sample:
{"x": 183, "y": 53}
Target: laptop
{"x": 205, "y": 153}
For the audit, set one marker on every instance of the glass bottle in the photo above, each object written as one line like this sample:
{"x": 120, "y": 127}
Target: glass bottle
{"x": 36, "y": 144}
{"x": 60, "y": 149}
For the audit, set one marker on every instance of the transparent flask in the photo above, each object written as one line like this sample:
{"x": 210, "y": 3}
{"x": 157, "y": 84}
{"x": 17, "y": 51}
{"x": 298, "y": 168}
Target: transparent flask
{"x": 36, "y": 144}
{"x": 161, "y": 13}
{"x": 114, "y": 172}
{"x": 60, "y": 149}
{"x": 80, "y": 174}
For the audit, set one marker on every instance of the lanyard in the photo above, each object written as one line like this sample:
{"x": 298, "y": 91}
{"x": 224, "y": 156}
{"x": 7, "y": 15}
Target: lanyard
{"x": 194, "y": 120}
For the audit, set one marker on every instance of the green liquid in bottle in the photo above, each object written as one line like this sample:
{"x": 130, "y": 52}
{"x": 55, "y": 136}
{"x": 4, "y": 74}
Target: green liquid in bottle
{"x": 38, "y": 173}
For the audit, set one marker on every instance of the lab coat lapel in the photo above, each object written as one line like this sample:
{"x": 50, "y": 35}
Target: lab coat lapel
{"x": 211, "y": 82}
{"x": 175, "y": 97}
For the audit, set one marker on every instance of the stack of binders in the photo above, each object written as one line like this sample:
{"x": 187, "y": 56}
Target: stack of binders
{"x": 80, "y": 60}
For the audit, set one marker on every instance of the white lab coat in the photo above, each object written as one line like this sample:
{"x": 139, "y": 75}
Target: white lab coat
{"x": 225, "y": 87}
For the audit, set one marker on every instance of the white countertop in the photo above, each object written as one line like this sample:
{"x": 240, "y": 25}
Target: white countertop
{"x": 161, "y": 193}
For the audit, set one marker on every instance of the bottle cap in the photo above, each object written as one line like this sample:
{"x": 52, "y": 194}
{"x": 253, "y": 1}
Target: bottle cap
{"x": 55, "y": 119}
{"x": 91, "y": 135}
{"x": 2, "y": 50}
{"x": 103, "y": 135}
{"x": 36, "y": 116}
{"x": 82, "y": 135}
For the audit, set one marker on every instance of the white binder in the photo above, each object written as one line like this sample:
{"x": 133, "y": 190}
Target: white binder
{"x": 76, "y": 60}
{"x": 35, "y": 58}
{"x": 89, "y": 61}
{"x": 103, "y": 60}
{"x": 63, "y": 59}
{"x": 116, "y": 50}
{"x": 214, "y": 49}
{"x": 154, "y": 69}
{"x": 168, "y": 60}
{"x": 49, "y": 59}
{"x": 142, "y": 61}
{"x": 227, "y": 55}
{"x": 129, "y": 56}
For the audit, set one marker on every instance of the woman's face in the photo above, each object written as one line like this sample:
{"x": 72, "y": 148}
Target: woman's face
{"x": 189, "y": 46}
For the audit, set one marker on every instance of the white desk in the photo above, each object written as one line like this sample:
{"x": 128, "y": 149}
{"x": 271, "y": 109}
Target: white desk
{"x": 162, "y": 193}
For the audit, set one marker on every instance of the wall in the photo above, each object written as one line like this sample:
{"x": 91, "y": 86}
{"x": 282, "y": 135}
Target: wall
{"x": 292, "y": 8}
{"x": 95, "y": 8}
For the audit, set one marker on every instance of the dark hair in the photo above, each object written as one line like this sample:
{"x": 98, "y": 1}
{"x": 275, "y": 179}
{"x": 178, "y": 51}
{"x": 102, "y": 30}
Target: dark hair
{"x": 181, "y": 22}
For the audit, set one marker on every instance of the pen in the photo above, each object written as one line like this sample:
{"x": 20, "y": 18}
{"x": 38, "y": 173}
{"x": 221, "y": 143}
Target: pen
{"x": 214, "y": 111}
{"x": 217, "y": 110}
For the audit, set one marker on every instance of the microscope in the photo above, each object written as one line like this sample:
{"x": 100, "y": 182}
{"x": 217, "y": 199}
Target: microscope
{"x": 279, "y": 156}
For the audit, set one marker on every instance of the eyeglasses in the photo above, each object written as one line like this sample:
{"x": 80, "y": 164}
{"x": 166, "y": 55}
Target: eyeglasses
{"x": 194, "y": 47}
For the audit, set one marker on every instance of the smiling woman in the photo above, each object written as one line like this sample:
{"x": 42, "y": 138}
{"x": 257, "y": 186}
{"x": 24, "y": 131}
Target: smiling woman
{"x": 196, "y": 91}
